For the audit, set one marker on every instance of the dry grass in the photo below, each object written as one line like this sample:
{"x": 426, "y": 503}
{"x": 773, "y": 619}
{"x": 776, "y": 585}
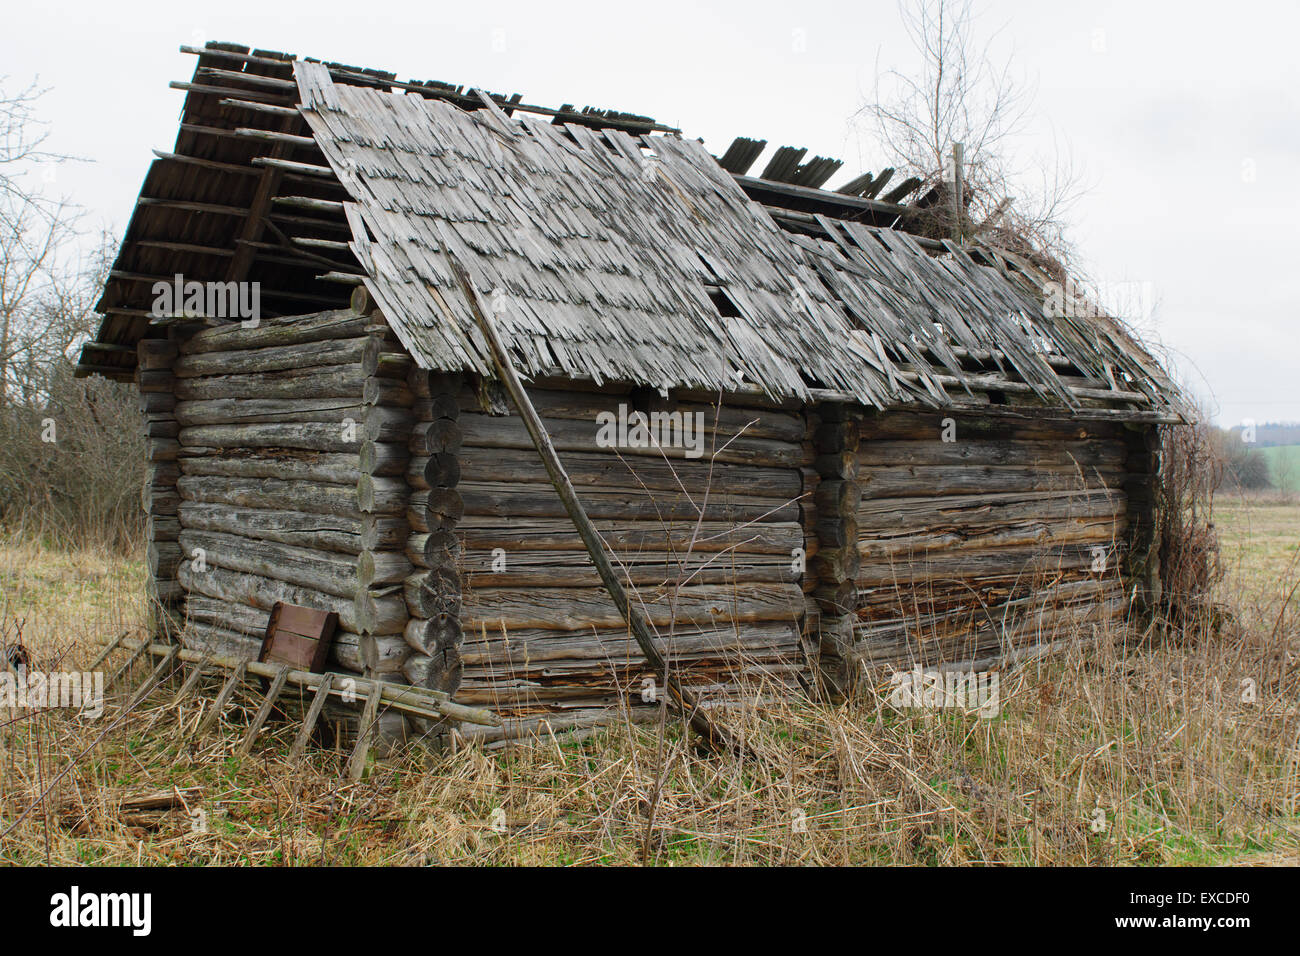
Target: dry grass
{"x": 1156, "y": 734}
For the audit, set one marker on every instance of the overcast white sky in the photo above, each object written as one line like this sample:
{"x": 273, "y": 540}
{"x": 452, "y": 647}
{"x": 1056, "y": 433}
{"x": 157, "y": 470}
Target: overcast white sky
{"x": 1184, "y": 117}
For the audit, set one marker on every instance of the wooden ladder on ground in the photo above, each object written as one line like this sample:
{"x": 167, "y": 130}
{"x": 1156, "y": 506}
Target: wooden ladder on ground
{"x": 417, "y": 701}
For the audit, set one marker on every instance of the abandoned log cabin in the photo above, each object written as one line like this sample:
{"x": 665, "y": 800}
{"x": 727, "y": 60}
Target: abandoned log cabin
{"x": 809, "y": 438}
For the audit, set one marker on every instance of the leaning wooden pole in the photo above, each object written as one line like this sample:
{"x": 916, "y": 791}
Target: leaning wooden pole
{"x": 713, "y": 734}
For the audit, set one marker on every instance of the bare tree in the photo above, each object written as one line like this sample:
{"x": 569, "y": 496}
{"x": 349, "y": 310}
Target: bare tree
{"x": 69, "y": 448}
{"x": 959, "y": 94}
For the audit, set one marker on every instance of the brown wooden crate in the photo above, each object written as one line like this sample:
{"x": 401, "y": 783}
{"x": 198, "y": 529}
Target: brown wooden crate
{"x": 298, "y": 636}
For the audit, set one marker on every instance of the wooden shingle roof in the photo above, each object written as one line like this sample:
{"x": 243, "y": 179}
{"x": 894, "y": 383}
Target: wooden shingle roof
{"x": 611, "y": 249}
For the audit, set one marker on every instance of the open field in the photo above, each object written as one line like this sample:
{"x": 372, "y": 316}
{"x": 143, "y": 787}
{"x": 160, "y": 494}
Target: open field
{"x": 1137, "y": 749}
{"x": 1284, "y": 466}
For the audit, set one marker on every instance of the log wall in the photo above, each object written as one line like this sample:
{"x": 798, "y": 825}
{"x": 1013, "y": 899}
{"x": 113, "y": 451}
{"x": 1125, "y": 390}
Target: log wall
{"x": 975, "y": 535}
{"x": 291, "y": 457}
{"x": 309, "y": 461}
{"x": 711, "y": 547}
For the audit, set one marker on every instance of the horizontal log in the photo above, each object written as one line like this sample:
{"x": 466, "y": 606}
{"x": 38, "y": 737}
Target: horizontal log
{"x": 162, "y": 558}
{"x": 926, "y": 480}
{"x": 607, "y": 470}
{"x": 383, "y": 360}
{"x": 156, "y": 403}
{"x": 375, "y": 568}
{"x": 373, "y": 613}
{"x": 930, "y": 426}
{"x": 507, "y": 499}
{"x": 436, "y": 408}
{"x": 162, "y": 449}
{"x": 280, "y": 331}
{"x": 581, "y": 608}
{"x": 161, "y": 528}
{"x": 272, "y": 493}
{"x": 966, "y": 567}
{"x": 212, "y": 639}
{"x": 954, "y": 512}
{"x": 376, "y": 495}
{"x": 336, "y": 381}
{"x": 160, "y": 501}
{"x": 383, "y": 458}
{"x": 338, "y": 468}
{"x": 1022, "y": 535}
{"x": 322, "y": 532}
{"x": 156, "y": 353}
{"x": 162, "y": 428}
{"x": 540, "y": 648}
{"x": 241, "y": 618}
{"x": 255, "y": 411}
{"x": 426, "y": 384}
{"x": 386, "y": 391}
{"x": 329, "y": 572}
{"x": 310, "y": 355}
{"x": 484, "y": 533}
{"x": 344, "y": 435}
{"x": 1052, "y": 453}
{"x": 507, "y": 432}
{"x": 369, "y": 654}
{"x": 573, "y": 569}
{"x": 729, "y": 420}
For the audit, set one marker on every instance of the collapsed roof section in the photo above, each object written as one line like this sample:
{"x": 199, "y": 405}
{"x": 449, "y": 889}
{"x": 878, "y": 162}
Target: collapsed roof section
{"x": 612, "y": 249}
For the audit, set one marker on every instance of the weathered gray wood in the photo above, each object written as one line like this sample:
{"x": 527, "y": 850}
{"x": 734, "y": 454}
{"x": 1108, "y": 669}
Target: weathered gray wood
{"x": 568, "y": 609}
{"x": 504, "y": 499}
{"x": 313, "y": 714}
{"x": 275, "y": 494}
{"x": 365, "y": 735}
{"x": 329, "y": 572}
{"x": 159, "y": 673}
{"x": 369, "y": 653}
{"x": 109, "y": 648}
{"x": 372, "y": 613}
{"x": 434, "y": 510}
{"x": 431, "y": 593}
{"x": 432, "y": 635}
{"x": 508, "y": 433}
{"x": 287, "y": 330}
{"x": 643, "y": 568}
{"x": 709, "y": 730}
{"x": 310, "y": 355}
{"x": 261, "y": 411}
{"x": 442, "y": 436}
{"x": 376, "y": 568}
{"x": 344, "y": 432}
{"x": 263, "y": 712}
{"x": 130, "y": 661}
{"x": 376, "y": 495}
{"x": 383, "y": 458}
{"x": 438, "y": 671}
{"x": 433, "y": 549}
{"x": 335, "y": 533}
{"x": 342, "y": 381}
{"x": 227, "y": 691}
{"x": 435, "y": 471}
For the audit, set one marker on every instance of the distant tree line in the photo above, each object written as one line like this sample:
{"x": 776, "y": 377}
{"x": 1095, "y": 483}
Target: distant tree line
{"x": 1271, "y": 434}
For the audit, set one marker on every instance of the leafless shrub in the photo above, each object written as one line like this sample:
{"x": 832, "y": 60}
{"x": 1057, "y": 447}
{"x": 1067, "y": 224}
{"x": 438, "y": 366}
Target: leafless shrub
{"x": 1190, "y": 566}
